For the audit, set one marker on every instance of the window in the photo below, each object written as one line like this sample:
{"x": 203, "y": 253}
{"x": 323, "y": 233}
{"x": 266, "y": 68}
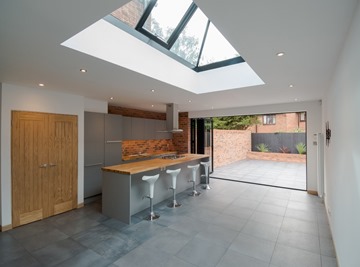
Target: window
{"x": 269, "y": 119}
{"x": 179, "y": 29}
{"x": 302, "y": 116}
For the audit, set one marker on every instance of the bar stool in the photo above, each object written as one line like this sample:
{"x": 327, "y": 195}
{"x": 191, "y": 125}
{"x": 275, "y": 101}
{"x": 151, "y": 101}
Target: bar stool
{"x": 194, "y": 168}
{"x": 174, "y": 174}
{"x": 207, "y": 168}
{"x": 151, "y": 180}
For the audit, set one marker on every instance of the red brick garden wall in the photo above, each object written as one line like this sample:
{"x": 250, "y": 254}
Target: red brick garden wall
{"x": 230, "y": 146}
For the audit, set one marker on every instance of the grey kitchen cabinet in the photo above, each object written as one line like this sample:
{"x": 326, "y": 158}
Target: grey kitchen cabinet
{"x": 127, "y": 121}
{"x": 113, "y": 139}
{"x": 137, "y": 128}
{"x": 94, "y": 149}
{"x": 144, "y": 129}
{"x": 150, "y": 130}
{"x": 102, "y": 147}
{"x": 160, "y": 130}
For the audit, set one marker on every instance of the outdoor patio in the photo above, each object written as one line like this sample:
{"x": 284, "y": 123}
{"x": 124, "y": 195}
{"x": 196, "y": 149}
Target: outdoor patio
{"x": 274, "y": 173}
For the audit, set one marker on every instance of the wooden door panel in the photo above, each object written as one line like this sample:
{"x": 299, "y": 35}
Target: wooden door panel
{"x": 63, "y": 162}
{"x": 28, "y": 177}
{"x": 44, "y": 152}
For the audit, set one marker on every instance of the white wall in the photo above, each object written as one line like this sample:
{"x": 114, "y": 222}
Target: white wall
{"x": 314, "y": 116}
{"x": 342, "y": 156}
{"x": 95, "y": 105}
{"x": 30, "y": 99}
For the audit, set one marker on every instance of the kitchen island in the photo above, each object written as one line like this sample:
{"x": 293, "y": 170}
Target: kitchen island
{"x": 123, "y": 189}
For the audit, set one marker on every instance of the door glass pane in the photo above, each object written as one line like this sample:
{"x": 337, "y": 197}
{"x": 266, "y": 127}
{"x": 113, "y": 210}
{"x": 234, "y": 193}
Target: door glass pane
{"x": 131, "y": 12}
{"x": 165, "y": 17}
{"x": 187, "y": 46}
{"x": 216, "y": 48}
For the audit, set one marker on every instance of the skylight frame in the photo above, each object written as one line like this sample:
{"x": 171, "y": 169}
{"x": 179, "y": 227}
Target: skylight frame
{"x": 139, "y": 32}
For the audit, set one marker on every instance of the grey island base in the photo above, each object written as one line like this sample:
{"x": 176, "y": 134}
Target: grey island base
{"x": 123, "y": 190}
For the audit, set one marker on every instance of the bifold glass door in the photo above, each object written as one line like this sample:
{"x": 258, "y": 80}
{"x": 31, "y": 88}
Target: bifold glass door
{"x": 202, "y": 138}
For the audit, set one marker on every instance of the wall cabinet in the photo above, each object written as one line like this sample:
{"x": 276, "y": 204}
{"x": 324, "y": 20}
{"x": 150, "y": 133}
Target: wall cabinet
{"x": 127, "y": 121}
{"x": 137, "y": 128}
{"x": 44, "y": 164}
{"x": 144, "y": 129}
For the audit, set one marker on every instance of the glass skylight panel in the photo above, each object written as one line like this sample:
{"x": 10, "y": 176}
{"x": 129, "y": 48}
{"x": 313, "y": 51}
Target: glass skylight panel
{"x": 179, "y": 27}
{"x": 216, "y": 48}
{"x": 131, "y": 13}
{"x": 165, "y": 17}
{"x": 188, "y": 45}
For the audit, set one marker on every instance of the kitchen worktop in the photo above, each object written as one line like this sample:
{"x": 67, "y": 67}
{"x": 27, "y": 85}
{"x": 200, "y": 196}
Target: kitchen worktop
{"x": 147, "y": 155}
{"x": 152, "y": 164}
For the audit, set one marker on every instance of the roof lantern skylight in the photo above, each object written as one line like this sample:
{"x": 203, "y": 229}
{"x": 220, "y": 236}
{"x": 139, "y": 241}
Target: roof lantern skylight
{"x": 179, "y": 29}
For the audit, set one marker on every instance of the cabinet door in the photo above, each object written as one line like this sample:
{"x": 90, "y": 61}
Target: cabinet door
{"x": 137, "y": 128}
{"x": 63, "y": 162}
{"x": 150, "y": 131}
{"x": 93, "y": 180}
{"x": 113, "y": 127}
{"x": 160, "y": 130}
{"x": 28, "y": 167}
{"x": 127, "y": 128}
{"x": 113, "y": 139}
{"x": 94, "y": 138}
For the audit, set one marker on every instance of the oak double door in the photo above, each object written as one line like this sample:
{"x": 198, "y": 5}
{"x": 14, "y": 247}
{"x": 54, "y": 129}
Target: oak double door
{"x": 44, "y": 162}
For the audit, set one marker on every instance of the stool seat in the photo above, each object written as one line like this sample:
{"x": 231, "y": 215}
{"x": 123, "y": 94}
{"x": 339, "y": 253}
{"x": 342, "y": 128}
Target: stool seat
{"x": 151, "y": 181}
{"x": 194, "y": 169}
{"x": 206, "y": 165}
{"x": 174, "y": 174}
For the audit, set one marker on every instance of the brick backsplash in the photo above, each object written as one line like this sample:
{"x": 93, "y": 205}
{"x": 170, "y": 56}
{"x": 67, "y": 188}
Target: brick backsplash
{"x": 131, "y": 147}
{"x": 182, "y": 140}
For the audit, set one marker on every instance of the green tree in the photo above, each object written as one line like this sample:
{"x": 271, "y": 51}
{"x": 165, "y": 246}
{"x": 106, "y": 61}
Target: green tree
{"x": 185, "y": 45}
{"x": 235, "y": 122}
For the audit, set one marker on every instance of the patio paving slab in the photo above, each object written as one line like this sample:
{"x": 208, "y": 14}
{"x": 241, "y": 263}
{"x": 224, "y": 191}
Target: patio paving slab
{"x": 274, "y": 173}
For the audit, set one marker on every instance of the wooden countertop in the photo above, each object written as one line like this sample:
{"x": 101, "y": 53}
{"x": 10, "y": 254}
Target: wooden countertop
{"x": 151, "y": 164}
{"x": 147, "y": 155}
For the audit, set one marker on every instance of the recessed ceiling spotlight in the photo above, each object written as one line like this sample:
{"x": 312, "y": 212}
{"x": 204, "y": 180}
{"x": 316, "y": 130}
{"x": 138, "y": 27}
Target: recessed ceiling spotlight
{"x": 152, "y": 90}
{"x": 111, "y": 98}
{"x": 280, "y": 54}
{"x": 189, "y": 101}
{"x": 83, "y": 70}
{"x": 152, "y": 106}
{"x": 291, "y": 85}
{"x": 41, "y": 84}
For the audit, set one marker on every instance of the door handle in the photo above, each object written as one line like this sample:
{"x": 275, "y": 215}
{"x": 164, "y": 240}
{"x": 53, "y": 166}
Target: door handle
{"x": 43, "y": 165}
{"x": 52, "y": 164}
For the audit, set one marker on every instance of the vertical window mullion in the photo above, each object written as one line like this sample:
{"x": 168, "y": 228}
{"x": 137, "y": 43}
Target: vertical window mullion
{"x": 182, "y": 24}
{"x": 203, "y": 43}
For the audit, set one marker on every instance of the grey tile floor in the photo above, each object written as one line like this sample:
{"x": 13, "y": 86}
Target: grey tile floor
{"x": 283, "y": 174}
{"x": 233, "y": 224}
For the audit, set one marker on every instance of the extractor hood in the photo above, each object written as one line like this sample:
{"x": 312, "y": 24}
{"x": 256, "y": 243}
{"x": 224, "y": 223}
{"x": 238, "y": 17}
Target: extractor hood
{"x": 172, "y": 119}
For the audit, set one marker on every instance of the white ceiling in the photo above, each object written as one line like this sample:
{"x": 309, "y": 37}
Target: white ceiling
{"x": 310, "y": 32}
